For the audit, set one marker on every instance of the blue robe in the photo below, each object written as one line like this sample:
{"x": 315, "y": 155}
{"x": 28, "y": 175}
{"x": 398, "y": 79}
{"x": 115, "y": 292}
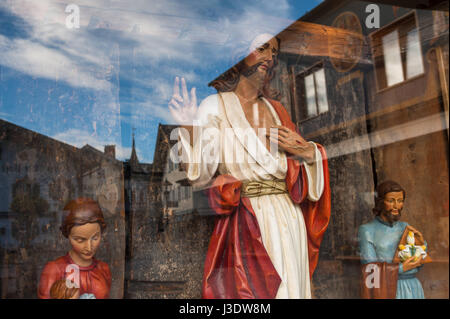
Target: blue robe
{"x": 378, "y": 241}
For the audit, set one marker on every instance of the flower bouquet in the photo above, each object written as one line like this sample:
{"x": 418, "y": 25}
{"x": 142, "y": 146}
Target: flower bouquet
{"x": 411, "y": 246}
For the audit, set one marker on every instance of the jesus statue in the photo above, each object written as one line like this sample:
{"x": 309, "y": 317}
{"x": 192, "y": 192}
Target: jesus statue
{"x": 270, "y": 190}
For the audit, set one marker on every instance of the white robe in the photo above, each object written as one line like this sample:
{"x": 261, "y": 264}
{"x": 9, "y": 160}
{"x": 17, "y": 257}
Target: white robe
{"x": 280, "y": 221}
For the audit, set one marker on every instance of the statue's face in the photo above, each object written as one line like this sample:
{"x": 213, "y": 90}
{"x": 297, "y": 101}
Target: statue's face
{"x": 261, "y": 58}
{"x": 393, "y": 205}
{"x": 85, "y": 240}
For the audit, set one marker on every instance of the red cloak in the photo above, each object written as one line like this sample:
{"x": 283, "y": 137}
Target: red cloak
{"x": 237, "y": 265}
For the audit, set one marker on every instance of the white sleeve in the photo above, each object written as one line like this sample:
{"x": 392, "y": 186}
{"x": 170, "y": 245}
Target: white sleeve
{"x": 314, "y": 173}
{"x": 207, "y": 109}
{"x": 203, "y": 157}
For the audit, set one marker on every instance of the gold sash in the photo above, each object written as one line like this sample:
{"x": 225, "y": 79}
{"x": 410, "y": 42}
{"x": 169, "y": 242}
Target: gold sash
{"x": 260, "y": 188}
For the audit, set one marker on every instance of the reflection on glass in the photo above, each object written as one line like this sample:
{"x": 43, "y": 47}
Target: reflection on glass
{"x": 414, "y": 65}
{"x": 392, "y": 58}
{"x": 111, "y": 80}
{"x": 310, "y": 95}
{"x": 322, "y": 101}
{"x": 316, "y": 93}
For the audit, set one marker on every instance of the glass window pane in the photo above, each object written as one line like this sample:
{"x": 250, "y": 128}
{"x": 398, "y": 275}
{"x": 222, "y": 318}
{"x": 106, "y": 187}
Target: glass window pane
{"x": 392, "y": 58}
{"x": 414, "y": 64}
{"x": 310, "y": 95}
{"x": 321, "y": 90}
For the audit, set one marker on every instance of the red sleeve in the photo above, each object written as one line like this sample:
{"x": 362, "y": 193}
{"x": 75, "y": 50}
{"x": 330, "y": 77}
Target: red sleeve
{"x": 50, "y": 274}
{"x": 317, "y": 216}
{"x": 108, "y": 277}
{"x": 105, "y": 284}
{"x": 224, "y": 195}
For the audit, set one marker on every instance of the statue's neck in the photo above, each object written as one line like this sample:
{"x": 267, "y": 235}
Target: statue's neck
{"x": 249, "y": 89}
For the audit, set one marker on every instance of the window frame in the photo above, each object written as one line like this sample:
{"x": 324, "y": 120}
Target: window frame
{"x": 376, "y": 41}
{"x": 303, "y": 74}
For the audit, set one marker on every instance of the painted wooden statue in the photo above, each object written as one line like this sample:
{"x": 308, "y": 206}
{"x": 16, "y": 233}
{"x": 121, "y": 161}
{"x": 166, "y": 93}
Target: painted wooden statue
{"x": 273, "y": 207}
{"x": 78, "y": 274}
{"x": 391, "y": 251}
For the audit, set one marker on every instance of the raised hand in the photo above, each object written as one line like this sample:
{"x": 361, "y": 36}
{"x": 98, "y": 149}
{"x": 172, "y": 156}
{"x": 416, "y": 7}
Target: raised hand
{"x": 183, "y": 107}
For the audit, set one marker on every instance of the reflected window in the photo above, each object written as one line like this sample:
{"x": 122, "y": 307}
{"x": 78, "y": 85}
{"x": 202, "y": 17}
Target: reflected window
{"x": 414, "y": 65}
{"x": 397, "y": 52}
{"x": 392, "y": 58}
{"x": 311, "y": 92}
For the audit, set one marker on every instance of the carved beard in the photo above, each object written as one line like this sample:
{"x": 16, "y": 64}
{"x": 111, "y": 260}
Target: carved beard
{"x": 257, "y": 79}
{"x": 392, "y": 218}
{"x": 249, "y": 71}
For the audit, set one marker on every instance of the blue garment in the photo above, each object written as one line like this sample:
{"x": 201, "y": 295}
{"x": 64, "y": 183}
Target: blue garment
{"x": 378, "y": 241}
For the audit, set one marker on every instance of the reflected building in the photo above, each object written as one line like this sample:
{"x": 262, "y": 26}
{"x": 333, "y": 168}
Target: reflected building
{"x": 377, "y": 99}
{"x": 148, "y": 208}
{"x": 39, "y": 176}
{"x": 167, "y": 238}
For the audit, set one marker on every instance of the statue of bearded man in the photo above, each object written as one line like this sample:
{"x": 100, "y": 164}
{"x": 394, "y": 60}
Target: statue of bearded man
{"x": 273, "y": 207}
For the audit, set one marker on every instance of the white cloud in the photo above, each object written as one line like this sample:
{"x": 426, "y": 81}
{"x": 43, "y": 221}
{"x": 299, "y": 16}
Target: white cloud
{"x": 155, "y": 110}
{"x": 162, "y": 39}
{"x": 38, "y": 60}
{"x": 160, "y": 31}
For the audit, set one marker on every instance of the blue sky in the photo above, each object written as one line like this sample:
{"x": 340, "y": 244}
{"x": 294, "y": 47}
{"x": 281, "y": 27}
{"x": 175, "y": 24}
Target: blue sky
{"x": 94, "y": 84}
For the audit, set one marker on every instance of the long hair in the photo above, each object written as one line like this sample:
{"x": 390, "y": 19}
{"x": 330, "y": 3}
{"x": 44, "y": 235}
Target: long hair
{"x": 382, "y": 190}
{"x": 82, "y": 211}
{"x": 228, "y": 80}
{"x": 60, "y": 290}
